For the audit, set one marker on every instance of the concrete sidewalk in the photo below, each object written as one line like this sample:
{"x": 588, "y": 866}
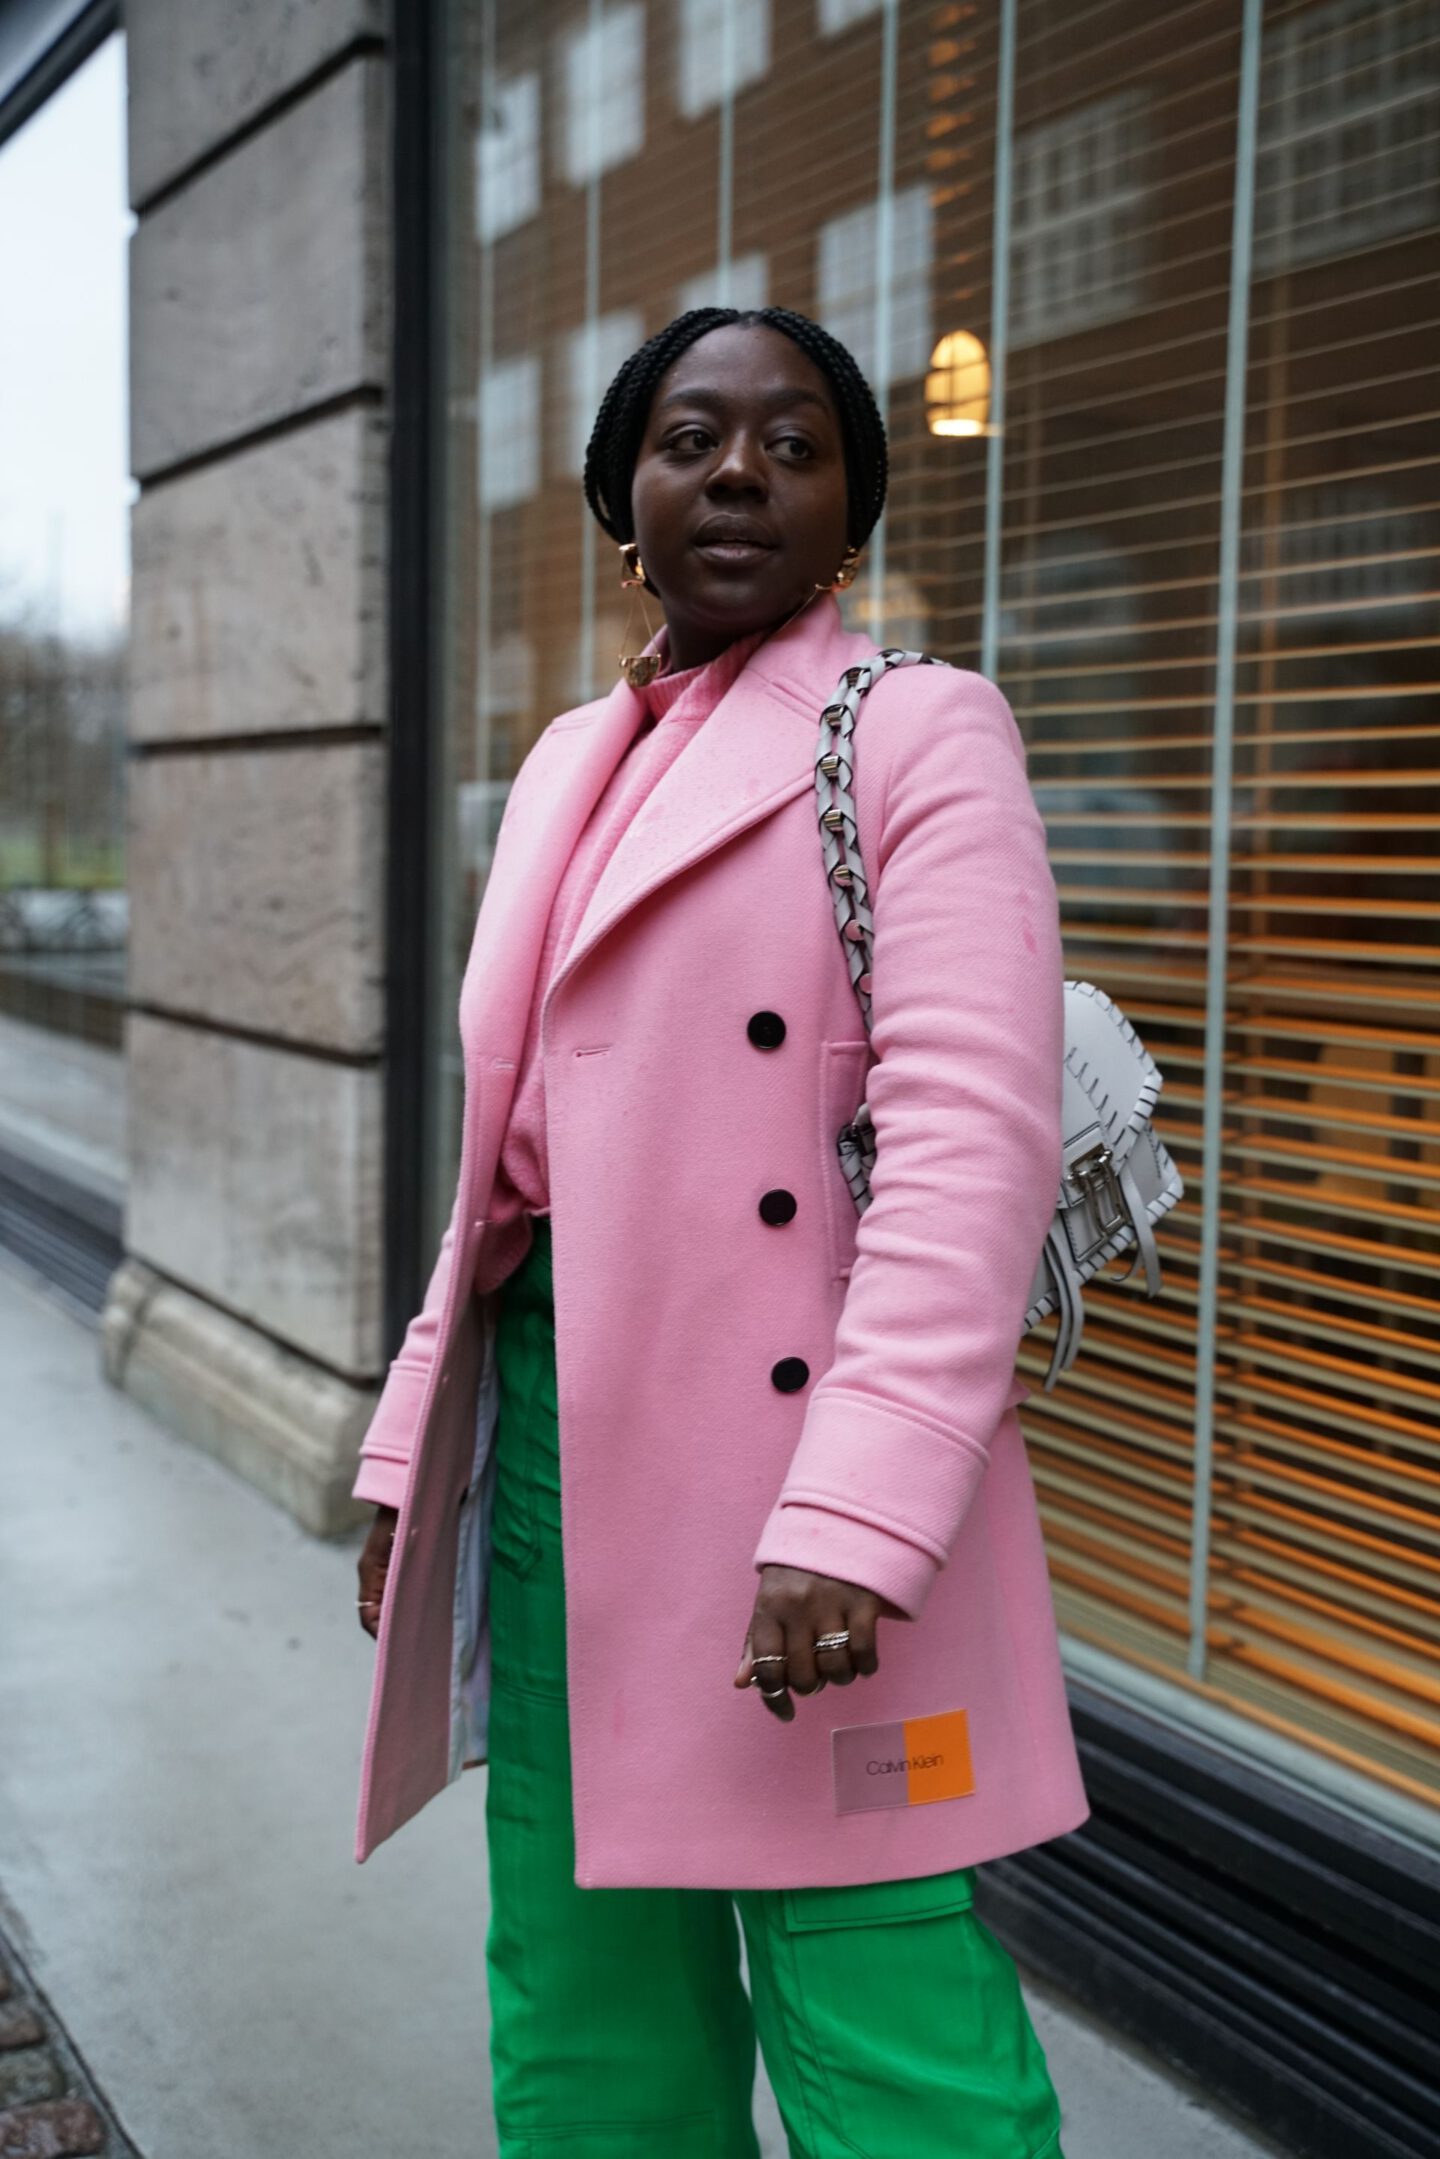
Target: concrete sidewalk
{"x": 182, "y": 1693}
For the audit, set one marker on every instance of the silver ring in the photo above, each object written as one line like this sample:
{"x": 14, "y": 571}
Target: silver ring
{"x": 833, "y": 1641}
{"x": 769, "y": 1660}
{"x": 776, "y": 1694}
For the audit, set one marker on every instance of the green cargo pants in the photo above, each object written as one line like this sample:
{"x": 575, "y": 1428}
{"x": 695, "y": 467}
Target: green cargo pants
{"x": 890, "y": 2018}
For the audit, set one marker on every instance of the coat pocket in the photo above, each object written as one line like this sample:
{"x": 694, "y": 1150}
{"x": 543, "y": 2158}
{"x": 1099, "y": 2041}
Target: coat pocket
{"x": 843, "y": 1068}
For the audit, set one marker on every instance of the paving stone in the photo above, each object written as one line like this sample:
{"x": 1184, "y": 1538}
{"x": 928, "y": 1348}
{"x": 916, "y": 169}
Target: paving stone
{"x": 28, "y": 2074}
{"x": 57, "y": 2129}
{"x": 19, "y": 2028}
{"x": 46, "y": 2109}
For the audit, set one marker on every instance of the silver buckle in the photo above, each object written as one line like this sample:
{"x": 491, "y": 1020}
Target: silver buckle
{"x": 1093, "y": 1176}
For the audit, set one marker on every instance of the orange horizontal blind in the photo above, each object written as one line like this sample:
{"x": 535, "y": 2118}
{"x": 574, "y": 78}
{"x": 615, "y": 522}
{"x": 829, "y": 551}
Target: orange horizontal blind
{"x": 1322, "y": 1510}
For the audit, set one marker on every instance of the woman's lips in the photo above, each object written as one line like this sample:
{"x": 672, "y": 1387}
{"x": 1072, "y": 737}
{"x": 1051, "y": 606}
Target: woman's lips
{"x": 737, "y": 551}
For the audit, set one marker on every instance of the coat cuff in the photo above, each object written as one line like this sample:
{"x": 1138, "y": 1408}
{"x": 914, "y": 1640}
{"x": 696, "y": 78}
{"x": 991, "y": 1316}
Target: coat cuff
{"x": 821, "y": 1542}
{"x": 862, "y": 1459}
{"x": 381, "y": 1482}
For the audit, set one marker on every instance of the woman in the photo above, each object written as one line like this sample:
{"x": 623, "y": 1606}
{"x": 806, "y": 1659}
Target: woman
{"x": 773, "y": 1428}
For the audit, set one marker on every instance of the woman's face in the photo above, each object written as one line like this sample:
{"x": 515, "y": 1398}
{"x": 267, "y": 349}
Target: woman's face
{"x": 743, "y": 439}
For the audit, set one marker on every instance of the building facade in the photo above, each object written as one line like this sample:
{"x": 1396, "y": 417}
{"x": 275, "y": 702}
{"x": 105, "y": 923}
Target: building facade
{"x": 1147, "y": 299}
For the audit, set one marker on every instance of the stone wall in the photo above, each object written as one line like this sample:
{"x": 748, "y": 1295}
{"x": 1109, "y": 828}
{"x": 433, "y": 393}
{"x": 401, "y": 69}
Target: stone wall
{"x": 248, "y": 1311}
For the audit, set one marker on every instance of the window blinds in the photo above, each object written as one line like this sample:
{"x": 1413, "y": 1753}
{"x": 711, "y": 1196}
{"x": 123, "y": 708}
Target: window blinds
{"x": 1322, "y": 1514}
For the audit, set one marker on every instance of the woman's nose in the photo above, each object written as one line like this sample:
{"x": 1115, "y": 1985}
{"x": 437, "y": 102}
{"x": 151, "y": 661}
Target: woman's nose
{"x": 739, "y": 464}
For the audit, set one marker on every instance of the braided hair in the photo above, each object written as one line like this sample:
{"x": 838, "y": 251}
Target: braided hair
{"x": 624, "y": 414}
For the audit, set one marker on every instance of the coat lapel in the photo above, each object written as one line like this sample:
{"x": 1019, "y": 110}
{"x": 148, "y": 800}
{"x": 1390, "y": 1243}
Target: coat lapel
{"x": 540, "y": 828}
{"x": 752, "y": 754}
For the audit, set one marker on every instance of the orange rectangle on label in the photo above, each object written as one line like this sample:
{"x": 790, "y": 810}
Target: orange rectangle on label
{"x": 937, "y": 1752}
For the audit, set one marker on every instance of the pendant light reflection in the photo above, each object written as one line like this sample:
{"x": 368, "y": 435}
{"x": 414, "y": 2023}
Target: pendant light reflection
{"x": 957, "y": 386}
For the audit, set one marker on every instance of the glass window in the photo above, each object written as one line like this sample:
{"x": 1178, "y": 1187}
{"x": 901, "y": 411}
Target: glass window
{"x": 509, "y": 432}
{"x": 1078, "y": 233}
{"x": 1276, "y": 1556}
{"x": 736, "y": 284}
{"x": 1349, "y": 129}
{"x": 592, "y": 354}
{"x": 602, "y": 69}
{"x": 507, "y": 157}
{"x": 1312, "y": 1546}
{"x": 849, "y": 280}
{"x": 839, "y": 14}
{"x": 723, "y": 45}
{"x": 64, "y": 613}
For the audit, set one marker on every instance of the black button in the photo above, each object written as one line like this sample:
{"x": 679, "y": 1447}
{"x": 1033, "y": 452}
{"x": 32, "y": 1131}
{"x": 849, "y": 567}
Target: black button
{"x": 789, "y": 1373}
{"x": 778, "y": 1207}
{"x": 766, "y": 1030}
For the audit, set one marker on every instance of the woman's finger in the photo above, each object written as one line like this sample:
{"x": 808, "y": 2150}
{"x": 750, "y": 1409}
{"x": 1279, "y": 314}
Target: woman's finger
{"x": 770, "y": 1666}
{"x": 864, "y": 1656}
{"x": 371, "y": 1601}
{"x": 800, "y": 1668}
{"x": 372, "y": 1569}
{"x": 832, "y": 1649}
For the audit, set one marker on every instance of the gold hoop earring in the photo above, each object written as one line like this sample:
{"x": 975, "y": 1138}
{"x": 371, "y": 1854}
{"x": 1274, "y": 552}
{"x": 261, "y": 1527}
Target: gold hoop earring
{"x": 846, "y": 574}
{"x": 638, "y": 668}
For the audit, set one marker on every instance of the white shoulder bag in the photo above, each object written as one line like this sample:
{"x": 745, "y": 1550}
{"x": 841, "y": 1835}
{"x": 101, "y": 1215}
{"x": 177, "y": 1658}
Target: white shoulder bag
{"x": 1117, "y": 1180}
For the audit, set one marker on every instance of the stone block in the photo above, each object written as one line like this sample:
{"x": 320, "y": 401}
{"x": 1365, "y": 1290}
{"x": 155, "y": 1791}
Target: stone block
{"x": 201, "y": 69}
{"x": 30, "y": 2074}
{"x": 19, "y": 2027}
{"x": 53, "y": 2129}
{"x": 257, "y": 598}
{"x": 259, "y": 290}
{"x": 256, "y": 884}
{"x": 285, "y": 1425}
{"x": 256, "y": 1179}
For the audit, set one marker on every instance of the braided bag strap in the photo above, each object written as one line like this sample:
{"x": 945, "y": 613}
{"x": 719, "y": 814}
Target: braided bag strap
{"x": 845, "y": 871}
{"x": 1112, "y": 1191}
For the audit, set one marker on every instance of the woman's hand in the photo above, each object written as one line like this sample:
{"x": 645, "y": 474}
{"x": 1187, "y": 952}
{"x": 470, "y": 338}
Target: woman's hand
{"x": 374, "y": 1566}
{"x": 796, "y": 1612}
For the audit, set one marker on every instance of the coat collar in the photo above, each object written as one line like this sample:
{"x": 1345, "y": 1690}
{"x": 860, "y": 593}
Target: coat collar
{"x": 753, "y": 753}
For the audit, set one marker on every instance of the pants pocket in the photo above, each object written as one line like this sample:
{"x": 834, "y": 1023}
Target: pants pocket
{"x": 878, "y": 1904}
{"x": 898, "y": 2027}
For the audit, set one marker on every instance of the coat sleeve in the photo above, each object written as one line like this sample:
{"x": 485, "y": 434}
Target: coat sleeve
{"x": 385, "y": 1450}
{"x": 967, "y": 1010}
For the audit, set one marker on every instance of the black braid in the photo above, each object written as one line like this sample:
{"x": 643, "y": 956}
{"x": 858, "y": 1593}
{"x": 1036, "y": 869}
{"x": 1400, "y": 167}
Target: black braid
{"x": 625, "y": 412}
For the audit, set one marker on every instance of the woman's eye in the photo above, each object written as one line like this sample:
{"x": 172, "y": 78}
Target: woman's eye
{"x": 685, "y": 437}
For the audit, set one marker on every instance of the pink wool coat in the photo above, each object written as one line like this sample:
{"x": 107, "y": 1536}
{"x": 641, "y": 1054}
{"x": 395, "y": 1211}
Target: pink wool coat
{"x": 833, "y": 1392}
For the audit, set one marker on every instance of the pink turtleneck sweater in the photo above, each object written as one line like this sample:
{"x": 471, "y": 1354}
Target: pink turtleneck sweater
{"x": 673, "y": 708}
